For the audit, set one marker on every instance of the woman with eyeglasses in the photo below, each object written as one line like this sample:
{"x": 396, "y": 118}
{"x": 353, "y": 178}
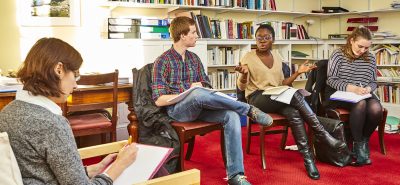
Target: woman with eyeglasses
{"x": 40, "y": 136}
{"x": 264, "y": 68}
{"x": 352, "y": 68}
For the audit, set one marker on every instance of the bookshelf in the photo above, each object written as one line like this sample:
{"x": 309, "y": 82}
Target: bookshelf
{"x": 287, "y": 10}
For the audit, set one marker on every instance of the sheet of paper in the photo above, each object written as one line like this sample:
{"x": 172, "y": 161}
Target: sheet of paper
{"x": 284, "y": 97}
{"x": 148, "y": 160}
{"x": 275, "y": 90}
{"x": 348, "y": 96}
{"x": 182, "y": 95}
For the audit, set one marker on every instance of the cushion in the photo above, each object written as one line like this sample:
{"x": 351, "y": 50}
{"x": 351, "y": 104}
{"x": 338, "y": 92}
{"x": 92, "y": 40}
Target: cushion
{"x": 9, "y": 169}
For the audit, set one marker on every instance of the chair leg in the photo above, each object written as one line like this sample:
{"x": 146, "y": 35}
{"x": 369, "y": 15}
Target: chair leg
{"x": 189, "y": 150}
{"x": 181, "y": 133}
{"x": 113, "y": 136}
{"x": 262, "y": 147}
{"x": 248, "y": 139}
{"x": 381, "y": 132}
{"x": 284, "y": 138}
{"x": 223, "y": 151}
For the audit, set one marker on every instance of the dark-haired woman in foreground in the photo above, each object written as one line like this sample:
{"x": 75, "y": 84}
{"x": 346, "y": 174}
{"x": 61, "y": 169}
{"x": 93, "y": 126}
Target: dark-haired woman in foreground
{"x": 40, "y": 136}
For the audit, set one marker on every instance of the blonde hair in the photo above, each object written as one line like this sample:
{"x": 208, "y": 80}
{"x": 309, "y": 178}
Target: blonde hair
{"x": 359, "y": 32}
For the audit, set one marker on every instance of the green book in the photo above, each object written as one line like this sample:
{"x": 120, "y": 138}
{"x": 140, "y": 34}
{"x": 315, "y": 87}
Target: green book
{"x": 298, "y": 54}
{"x": 154, "y": 29}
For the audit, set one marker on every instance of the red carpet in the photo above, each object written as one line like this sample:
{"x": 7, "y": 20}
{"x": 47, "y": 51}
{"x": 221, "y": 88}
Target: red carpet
{"x": 286, "y": 167}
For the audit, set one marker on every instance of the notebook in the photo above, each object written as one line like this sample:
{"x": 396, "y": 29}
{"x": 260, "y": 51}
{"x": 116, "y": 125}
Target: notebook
{"x": 148, "y": 161}
{"x": 348, "y": 96}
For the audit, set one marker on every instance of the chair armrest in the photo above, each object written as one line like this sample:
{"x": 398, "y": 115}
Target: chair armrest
{"x": 191, "y": 177}
{"x": 102, "y": 149}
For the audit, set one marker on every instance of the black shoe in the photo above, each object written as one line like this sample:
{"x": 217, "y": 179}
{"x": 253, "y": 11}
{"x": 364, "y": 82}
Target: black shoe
{"x": 238, "y": 180}
{"x": 359, "y": 148}
{"x": 365, "y": 147}
{"x": 259, "y": 116}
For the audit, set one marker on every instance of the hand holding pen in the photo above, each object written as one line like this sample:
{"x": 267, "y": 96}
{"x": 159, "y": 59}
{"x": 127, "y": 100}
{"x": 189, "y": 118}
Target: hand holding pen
{"x": 359, "y": 89}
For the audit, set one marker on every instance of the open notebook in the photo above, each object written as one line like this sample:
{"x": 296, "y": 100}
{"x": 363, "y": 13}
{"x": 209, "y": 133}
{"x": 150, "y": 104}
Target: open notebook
{"x": 149, "y": 159}
{"x": 348, "y": 96}
{"x": 182, "y": 95}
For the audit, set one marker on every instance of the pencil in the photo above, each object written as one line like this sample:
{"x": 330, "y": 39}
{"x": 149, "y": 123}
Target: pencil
{"x": 130, "y": 140}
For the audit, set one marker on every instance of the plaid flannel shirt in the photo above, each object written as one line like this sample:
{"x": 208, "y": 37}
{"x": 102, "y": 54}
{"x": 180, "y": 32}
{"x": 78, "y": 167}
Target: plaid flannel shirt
{"x": 172, "y": 75}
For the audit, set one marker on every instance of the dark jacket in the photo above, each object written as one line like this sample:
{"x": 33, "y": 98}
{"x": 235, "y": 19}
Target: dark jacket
{"x": 154, "y": 123}
{"x": 316, "y": 85}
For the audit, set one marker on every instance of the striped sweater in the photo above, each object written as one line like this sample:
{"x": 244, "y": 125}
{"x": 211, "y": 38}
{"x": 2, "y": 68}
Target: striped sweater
{"x": 342, "y": 72}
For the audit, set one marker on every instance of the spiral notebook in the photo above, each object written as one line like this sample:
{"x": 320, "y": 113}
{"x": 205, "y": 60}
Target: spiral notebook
{"x": 348, "y": 96}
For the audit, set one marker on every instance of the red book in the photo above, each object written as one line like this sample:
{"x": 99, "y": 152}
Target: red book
{"x": 362, "y": 20}
{"x": 371, "y": 28}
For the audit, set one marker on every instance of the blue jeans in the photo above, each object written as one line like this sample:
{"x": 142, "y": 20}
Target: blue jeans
{"x": 204, "y": 105}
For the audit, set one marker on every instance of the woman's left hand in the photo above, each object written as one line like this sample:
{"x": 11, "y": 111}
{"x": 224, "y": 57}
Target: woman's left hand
{"x": 96, "y": 169}
{"x": 305, "y": 67}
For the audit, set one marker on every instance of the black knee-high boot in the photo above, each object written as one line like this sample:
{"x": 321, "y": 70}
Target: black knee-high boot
{"x": 312, "y": 120}
{"x": 300, "y": 135}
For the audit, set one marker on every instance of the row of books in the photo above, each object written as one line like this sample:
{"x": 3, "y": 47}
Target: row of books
{"x": 388, "y": 75}
{"x": 223, "y": 56}
{"x": 386, "y": 54}
{"x": 288, "y": 30}
{"x": 124, "y": 28}
{"x": 248, "y": 4}
{"x": 222, "y": 29}
{"x": 222, "y": 79}
{"x": 389, "y": 94}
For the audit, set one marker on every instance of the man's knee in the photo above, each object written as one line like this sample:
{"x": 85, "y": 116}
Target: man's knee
{"x": 199, "y": 94}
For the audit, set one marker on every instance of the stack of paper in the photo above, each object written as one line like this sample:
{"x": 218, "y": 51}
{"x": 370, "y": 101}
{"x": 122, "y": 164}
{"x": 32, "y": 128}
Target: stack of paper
{"x": 9, "y": 84}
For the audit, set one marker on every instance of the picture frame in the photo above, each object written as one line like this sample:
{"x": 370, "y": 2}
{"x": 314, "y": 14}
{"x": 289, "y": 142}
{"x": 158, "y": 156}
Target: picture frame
{"x": 49, "y": 12}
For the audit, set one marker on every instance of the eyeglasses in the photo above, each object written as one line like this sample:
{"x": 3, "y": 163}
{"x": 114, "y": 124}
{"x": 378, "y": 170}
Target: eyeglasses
{"x": 77, "y": 76}
{"x": 267, "y": 37}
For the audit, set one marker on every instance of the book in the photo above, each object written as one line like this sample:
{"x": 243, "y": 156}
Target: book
{"x": 148, "y": 161}
{"x": 348, "y": 96}
{"x": 275, "y": 90}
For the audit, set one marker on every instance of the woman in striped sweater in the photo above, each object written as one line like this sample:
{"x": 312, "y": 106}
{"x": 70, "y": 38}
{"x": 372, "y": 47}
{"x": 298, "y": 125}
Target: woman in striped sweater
{"x": 353, "y": 68}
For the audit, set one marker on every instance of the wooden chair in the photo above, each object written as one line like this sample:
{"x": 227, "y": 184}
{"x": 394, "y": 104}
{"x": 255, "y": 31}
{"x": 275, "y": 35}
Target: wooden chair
{"x": 92, "y": 118}
{"x": 182, "y": 178}
{"x": 187, "y": 132}
{"x": 344, "y": 114}
{"x": 279, "y": 121}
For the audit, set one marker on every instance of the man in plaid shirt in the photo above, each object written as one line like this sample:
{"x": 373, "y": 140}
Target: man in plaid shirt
{"x": 177, "y": 70}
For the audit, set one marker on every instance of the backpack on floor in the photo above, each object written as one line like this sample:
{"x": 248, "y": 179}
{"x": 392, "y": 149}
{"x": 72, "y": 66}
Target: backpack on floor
{"x": 324, "y": 153}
